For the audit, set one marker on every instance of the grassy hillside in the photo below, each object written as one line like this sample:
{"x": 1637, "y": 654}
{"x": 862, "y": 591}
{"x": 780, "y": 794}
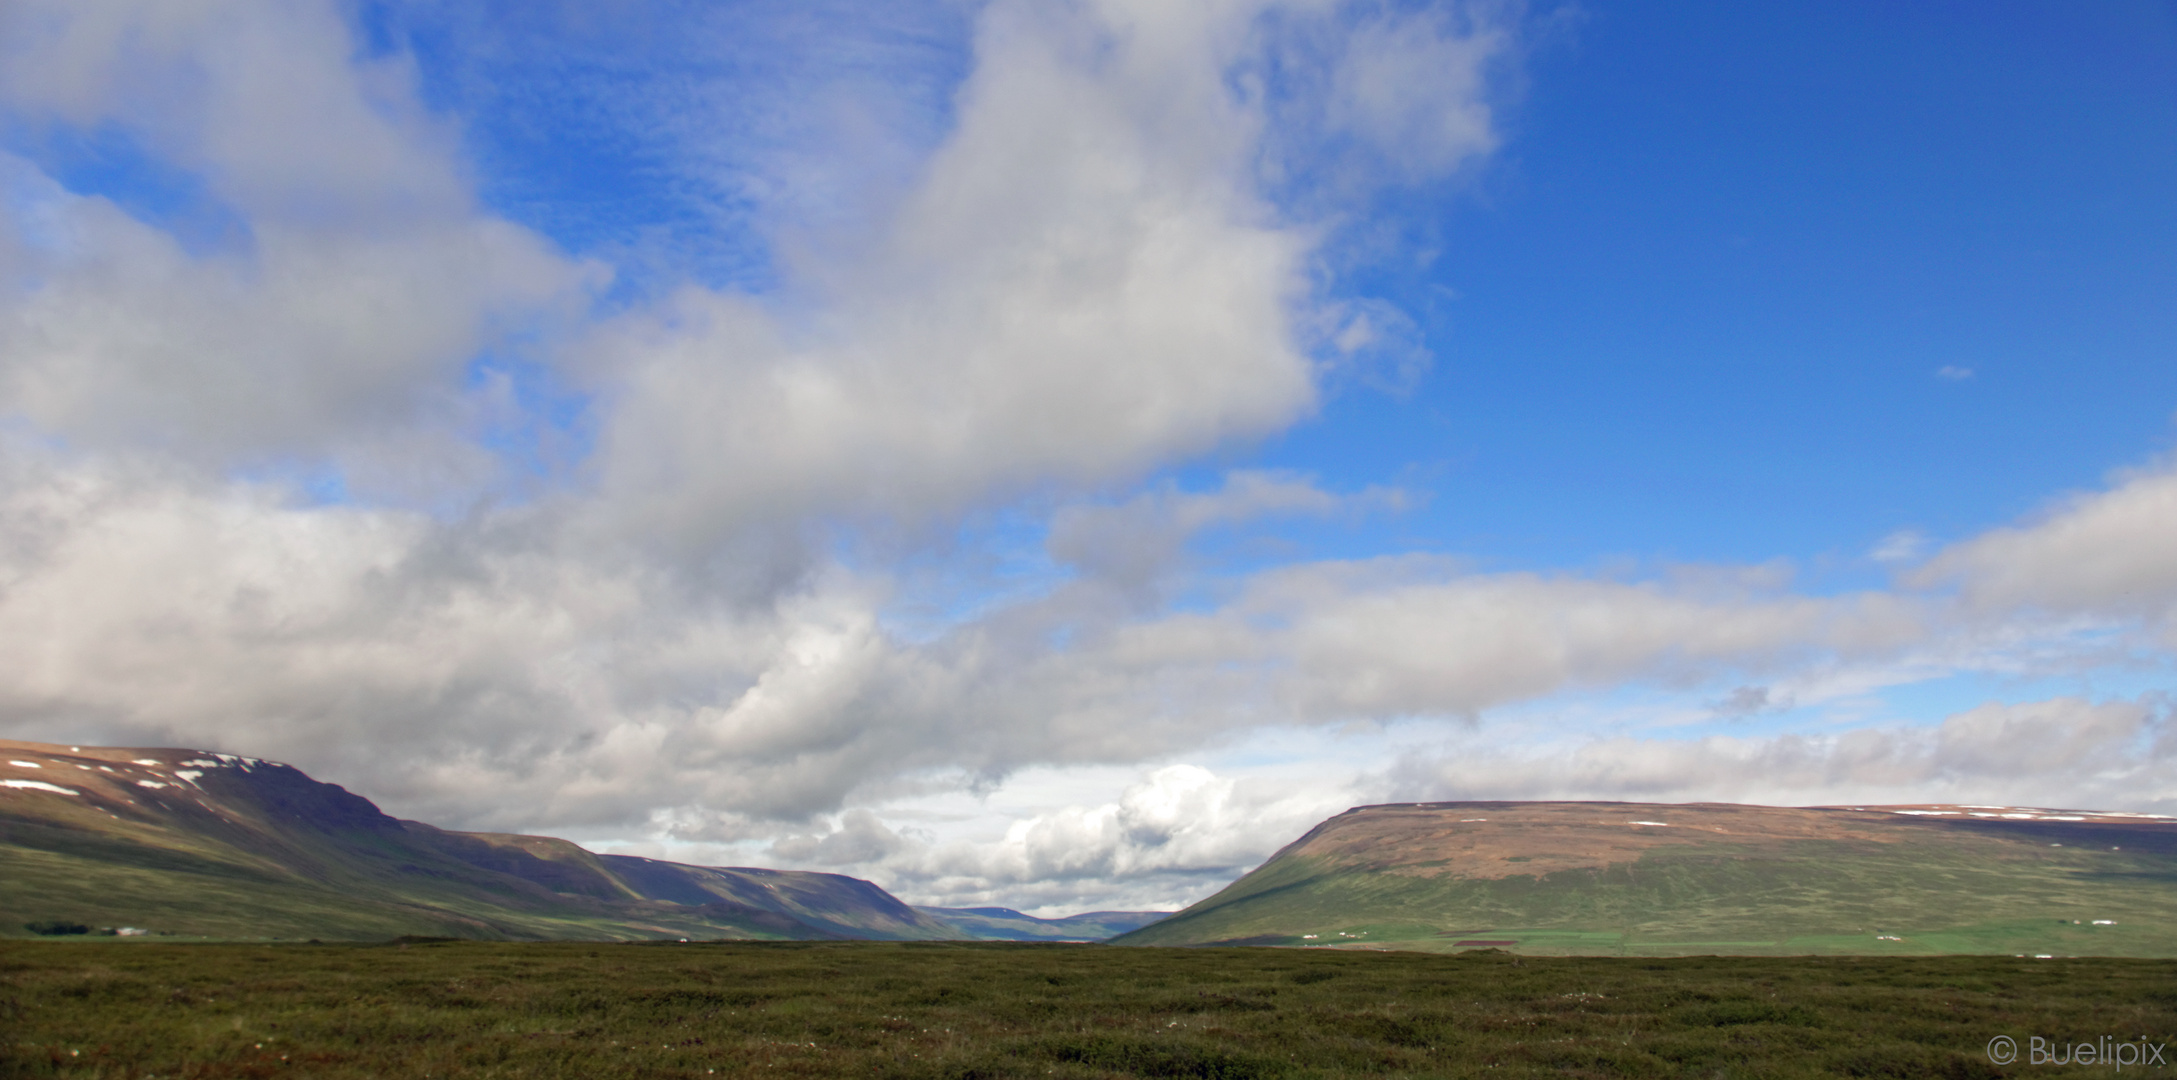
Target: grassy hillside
{"x": 182, "y": 842}
{"x": 1038, "y": 1012}
{"x": 1644, "y": 879}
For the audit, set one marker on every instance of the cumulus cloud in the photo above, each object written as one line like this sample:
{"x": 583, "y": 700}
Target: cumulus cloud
{"x": 2061, "y": 752}
{"x": 153, "y": 606}
{"x": 1084, "y": 279}
{"x": 860, "y": 838}
{"x": 1067, "y": 680}
{"x": 1082, "y": 284}
{"x": 307, "y": 345}
{"x": 500, "y": 673}
{"x": 1131, "y": 544}
{"x": 345, "y": 316}
{"x": 489, "y": 672}
{"x": 1377, "y": 638}
{"x": 268, "y": 101}
{"x": 2105, "y": 552}
{"x": 1173, "y": 835}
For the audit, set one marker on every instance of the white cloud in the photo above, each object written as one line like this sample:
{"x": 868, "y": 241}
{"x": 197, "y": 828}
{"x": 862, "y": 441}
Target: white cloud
{"x": 340, "y": 323}
{"x": 1409, "y": 85}
{"x": 1392, "y": 638}
{"x": 860, "y": 838}
{"x": 310, "y": 343}
{"x": 1368, "y": 95}
{"x": 1903, "y": 546}
{"x": 1084, "y": 280}
{"x": 2062, "y": 752}
{"x": 268, "y": 101}
{"x": 1082, "y": 285}
{"x": 1131, "y": 544}
{"x": 1173, "y": 835}
{"x": 2106, "y": 553}
{"x": 503, "y": 673}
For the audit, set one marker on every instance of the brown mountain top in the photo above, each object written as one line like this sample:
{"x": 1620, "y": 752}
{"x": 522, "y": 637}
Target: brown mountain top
{"x": 1487, "y": 840}
{"x": 1617, "y": 878}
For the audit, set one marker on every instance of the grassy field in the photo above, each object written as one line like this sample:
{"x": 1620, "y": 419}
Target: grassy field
{"x": 908, "y": 1010}
{"x": 1908, "y": 903}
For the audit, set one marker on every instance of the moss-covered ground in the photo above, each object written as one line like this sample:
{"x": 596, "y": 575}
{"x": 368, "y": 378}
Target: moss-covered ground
{"x": 120, "y": 1008}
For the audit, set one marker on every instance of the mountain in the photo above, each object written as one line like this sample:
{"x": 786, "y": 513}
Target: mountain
{"x": 1006, "y": 924}
{"x": 1648, "y": 879}
{"x": 215, "y": 845}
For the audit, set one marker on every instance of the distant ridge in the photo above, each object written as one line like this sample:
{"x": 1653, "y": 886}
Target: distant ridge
{"x": 203, "y": 844}
{"x": 1006, "y": 924}
{"x": 1675, "y": 879}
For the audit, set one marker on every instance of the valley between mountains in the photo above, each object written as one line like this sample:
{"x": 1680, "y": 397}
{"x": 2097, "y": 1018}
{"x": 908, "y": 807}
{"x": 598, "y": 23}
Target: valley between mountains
{"x": 201, "y": 845}
{"x": 185, "y": 842}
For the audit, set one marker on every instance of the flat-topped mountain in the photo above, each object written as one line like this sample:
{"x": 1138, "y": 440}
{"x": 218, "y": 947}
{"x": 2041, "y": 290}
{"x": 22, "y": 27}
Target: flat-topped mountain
{"x": 217, "y": 845}
{"x": 1644, "y": 878}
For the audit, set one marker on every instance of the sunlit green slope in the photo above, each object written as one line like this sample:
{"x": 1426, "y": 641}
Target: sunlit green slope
{"x": 1648, "y": 879}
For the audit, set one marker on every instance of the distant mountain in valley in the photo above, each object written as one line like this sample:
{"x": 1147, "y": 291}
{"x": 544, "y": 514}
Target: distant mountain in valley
{"x": 1006, "y": 924}
{"x": 198, "y": 844}
{"x": 1649, "y": 879}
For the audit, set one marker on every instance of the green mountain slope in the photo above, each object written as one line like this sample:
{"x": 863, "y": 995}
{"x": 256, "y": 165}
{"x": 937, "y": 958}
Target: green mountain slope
{"x": 1006, "y": 924}
{"x": 185, "y": 842}
{"x": 1646, "y": 879}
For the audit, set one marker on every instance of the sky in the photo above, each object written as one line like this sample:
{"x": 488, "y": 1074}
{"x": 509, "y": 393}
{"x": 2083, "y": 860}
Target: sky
{"x": 1052, "y": 454}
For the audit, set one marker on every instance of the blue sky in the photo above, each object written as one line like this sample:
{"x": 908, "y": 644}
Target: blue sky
{"x": 1053, "y": 453}
{"x": 1697, "y": 307}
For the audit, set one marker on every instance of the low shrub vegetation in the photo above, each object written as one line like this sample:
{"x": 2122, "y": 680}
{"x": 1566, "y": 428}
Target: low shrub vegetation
{"x": 988, "y": 1011}
{"x": 56, "y": 928}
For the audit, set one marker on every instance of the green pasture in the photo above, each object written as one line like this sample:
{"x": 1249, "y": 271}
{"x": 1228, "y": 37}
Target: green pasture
{"x": 208, "y": 898}
{"x": 1814, "y": 900}
{"x": 982, "y": 1011}
{"x": 2027, "y": 938}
